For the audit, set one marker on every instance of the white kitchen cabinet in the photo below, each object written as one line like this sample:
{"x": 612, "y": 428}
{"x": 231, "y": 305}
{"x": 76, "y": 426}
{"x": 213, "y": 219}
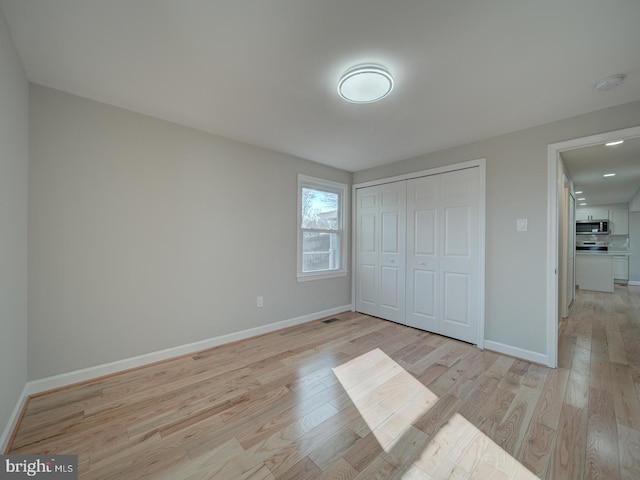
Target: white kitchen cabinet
{"x": 594, "y": 272}
{"x": 599, "y": 214}
{"x": 592, "y": 213}
{"x": 621, "y": 267}
{"x": 619, "y": 221}
{"x": 582, "y": 214}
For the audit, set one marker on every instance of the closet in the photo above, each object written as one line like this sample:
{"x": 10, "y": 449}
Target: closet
{"x": 380, "y": 252}
{"x": 418, "y": 258}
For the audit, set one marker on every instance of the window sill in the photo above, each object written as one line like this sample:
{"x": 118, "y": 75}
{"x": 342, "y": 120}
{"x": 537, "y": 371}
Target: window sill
{"x": 305, "y": 277}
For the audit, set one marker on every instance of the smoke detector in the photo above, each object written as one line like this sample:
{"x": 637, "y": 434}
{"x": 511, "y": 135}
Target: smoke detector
{"x": 607, "y": 83}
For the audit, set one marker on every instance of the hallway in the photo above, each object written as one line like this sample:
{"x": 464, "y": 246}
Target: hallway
{"x": 599, "y": 430}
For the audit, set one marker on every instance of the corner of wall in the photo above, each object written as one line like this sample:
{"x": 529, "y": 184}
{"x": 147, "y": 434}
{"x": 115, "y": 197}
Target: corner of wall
{"x": 14, "y": 159}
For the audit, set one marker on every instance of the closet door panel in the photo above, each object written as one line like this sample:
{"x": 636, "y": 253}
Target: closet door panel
{"x": 380, "y": 250}
{"x": 367, "y": 234}
{"x": 424, "y": 232}
{"x": 459, "y": 260}
{"x": 367, "y": 251}
{"x": 367, "y": 289}
{"x": 393, "y": 205}
{"x": 418, "y": 253}
{"x": 423, "y": 196}
{"x": 456, "y": 298}
{"x": 390, "y": 291}
{"x": 423, "y": 295}
{"x": 390, "y": 233}
{"x": 457, "y": 232}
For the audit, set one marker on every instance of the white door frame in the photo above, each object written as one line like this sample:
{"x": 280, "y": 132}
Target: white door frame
{"x": 554, "y": 187}
{"x": 563, "y": 232}
{"x": 481, "y": 164}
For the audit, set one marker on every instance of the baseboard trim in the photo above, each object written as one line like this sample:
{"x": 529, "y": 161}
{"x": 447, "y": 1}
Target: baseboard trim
{"x": 528, "y": 355}
{"x": 13, "y": 420}
{"x": 65, "y": 379}
{"x": 634, "y": 283}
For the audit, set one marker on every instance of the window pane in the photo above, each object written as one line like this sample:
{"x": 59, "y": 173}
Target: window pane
{"x": 321, "y": 217}
{"x": 320, "y": 251}
{"x": 320, "y": 209}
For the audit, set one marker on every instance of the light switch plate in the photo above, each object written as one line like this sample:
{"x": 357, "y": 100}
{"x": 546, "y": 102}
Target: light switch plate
{"x": 521, "y": 225}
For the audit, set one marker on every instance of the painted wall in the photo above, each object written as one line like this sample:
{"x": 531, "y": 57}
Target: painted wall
{"x": 144, "y": 235}
{"x": 634, "y": 204}
{"x": 14, "y": 108}
{"x": 516, "y": 188}
{"x": 634, "y": 247}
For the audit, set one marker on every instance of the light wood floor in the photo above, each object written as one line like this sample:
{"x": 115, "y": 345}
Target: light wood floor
{"x": 362, "y": 398}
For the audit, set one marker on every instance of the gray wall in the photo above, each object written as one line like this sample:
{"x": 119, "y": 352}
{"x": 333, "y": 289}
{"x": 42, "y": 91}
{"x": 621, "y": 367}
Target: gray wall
{"x": 14, "y": 108}
{"x": 516, "y": 188}
{"x": 144, "y": 235}
{"x": 634, "y": 247}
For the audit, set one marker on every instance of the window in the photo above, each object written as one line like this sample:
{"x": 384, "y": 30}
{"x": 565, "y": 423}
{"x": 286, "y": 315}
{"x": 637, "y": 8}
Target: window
{"x": 321, "y": 221}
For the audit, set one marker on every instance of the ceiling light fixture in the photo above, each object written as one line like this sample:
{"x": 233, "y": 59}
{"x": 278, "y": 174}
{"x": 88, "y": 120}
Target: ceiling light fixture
{"x": 616, "y": 142}
{"x": 609, "y": 175}
{"x": 365, "y": 84}
{"x": 607, "y": 83}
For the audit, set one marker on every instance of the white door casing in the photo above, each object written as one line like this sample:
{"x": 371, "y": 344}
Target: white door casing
{"x": 554, "y": 193}
{"x": 571, "y": 281}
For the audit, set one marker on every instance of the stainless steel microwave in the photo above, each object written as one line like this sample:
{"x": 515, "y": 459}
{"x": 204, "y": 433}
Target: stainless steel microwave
{"x": 592, "y": 227}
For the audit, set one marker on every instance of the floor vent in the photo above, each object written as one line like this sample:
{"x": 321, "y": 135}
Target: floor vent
{"x": 330, "y": 320}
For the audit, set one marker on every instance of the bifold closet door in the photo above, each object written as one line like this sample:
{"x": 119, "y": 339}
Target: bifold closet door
{"x": 423, "y": 253}
{"x": 380, "y": 251}
{"x": 443, "y": 261}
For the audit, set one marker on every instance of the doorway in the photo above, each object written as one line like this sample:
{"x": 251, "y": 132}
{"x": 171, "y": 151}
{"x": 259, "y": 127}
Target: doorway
{"x": 555, "y": 255}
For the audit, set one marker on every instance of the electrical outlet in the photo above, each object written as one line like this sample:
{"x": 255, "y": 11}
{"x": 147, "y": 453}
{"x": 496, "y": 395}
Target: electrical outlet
{"x": 259, "y": 302}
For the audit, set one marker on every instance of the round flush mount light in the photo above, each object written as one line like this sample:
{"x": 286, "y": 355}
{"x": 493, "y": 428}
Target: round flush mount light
{"x": 607, "y": 83}
{"x": 365, "y": 84}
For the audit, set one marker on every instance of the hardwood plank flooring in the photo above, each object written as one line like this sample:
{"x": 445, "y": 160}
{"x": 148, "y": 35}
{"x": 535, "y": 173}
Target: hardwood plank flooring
{"x": 362, "y": 398}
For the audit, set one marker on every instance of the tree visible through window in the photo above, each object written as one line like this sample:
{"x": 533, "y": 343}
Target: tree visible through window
{"x": 321, "y": 218}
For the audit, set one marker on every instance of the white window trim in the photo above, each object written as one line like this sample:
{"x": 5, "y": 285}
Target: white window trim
{"x": 342, "y": 189}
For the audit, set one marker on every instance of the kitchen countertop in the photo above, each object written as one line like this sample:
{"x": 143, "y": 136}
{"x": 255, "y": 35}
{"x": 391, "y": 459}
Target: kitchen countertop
{"x": 611, "y": 253}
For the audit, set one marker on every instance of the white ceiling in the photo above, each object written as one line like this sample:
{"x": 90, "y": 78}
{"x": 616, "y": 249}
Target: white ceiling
{"x": 587, "y": 166}
{"x": 265, "y": 71}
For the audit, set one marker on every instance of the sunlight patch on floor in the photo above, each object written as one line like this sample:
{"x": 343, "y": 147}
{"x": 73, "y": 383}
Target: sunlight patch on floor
{"x": 391, "y": 402}
{"x": 388, "y": 397}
